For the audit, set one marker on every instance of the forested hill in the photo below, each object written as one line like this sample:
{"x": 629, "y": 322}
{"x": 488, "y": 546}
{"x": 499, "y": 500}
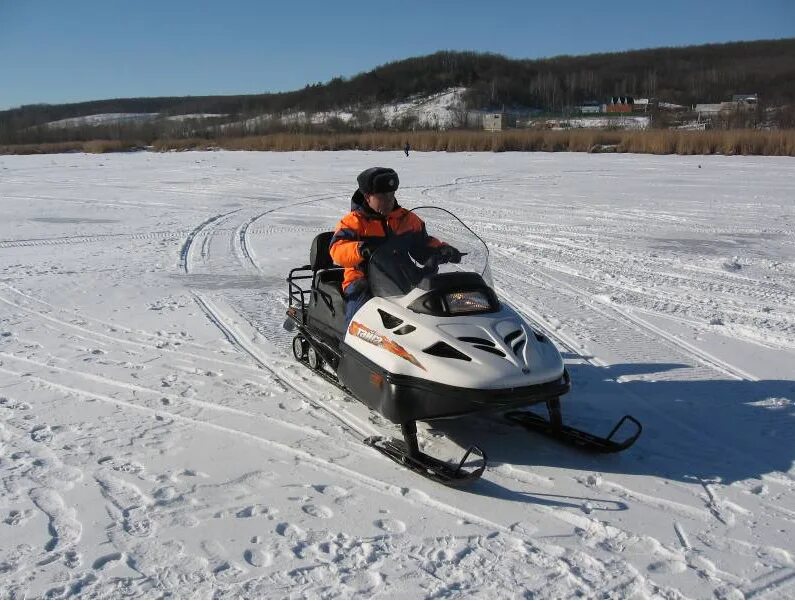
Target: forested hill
{"x": 682, "y": 75}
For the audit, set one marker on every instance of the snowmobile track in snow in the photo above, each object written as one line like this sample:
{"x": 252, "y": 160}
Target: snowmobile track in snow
{"x": 248, "y": 347}
{"x": 153, "y": 343}
{"x": 159, "y": 235}
{"x": 290, "y": 450}
{"x": 184, "y": 253}
{"x": 637, "y": 326}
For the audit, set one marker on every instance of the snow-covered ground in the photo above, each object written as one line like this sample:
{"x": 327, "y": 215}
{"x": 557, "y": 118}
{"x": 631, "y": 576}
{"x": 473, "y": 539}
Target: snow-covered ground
{"x": 616, "y": 122}
{"x": 125, "y": 118}
{"x": 157, "y": 438}
{"x": 102, "y": 119}
{"x": 442, "y": 110}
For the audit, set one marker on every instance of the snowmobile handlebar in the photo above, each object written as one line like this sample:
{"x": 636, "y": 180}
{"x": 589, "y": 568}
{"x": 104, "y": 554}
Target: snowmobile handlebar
{"x": 431, "y": 264}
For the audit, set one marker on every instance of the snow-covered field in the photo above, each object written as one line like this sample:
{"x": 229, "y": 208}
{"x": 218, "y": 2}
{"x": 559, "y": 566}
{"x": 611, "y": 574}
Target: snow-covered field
{"x": 442, "y": 110}
{"x": 619, "y": 122}
{"x": 157, "y": 438}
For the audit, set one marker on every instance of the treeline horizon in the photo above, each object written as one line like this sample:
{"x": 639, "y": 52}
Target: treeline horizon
{"x": 681, "y": 75}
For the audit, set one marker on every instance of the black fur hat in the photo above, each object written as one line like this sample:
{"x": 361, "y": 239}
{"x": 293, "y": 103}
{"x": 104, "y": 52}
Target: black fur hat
{"x": 378, "y": 179}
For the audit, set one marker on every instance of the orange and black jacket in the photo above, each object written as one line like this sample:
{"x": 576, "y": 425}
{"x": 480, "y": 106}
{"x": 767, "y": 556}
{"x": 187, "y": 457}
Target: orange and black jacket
{"x": 363, "y": 224}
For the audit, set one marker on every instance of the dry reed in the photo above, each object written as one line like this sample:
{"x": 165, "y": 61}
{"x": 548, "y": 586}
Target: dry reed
{"x": 726, "y": 142}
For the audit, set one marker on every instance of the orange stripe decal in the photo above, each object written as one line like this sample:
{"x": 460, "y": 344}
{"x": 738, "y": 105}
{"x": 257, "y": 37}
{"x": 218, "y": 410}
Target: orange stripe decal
{"x": 362, "y": 331}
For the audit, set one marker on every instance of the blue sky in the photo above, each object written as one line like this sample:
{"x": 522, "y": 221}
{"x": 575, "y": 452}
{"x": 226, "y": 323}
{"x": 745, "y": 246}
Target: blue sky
{"x": 74, "y": 50}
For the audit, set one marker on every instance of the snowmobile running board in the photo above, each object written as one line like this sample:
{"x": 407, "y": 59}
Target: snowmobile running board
{"x": 407, "y": 454}
{"x": 554, "y": 428}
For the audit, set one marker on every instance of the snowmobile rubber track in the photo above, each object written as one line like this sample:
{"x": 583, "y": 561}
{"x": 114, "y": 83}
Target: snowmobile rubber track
{"x": 427, "y": 466}
{"x": 572, "y": 436}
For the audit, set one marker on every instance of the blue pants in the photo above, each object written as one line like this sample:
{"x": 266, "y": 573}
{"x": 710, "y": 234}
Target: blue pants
{"x": 356, "y": 295}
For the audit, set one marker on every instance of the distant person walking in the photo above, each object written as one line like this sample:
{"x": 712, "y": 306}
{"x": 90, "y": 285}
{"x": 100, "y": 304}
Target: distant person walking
{"x": 407, "y": 148}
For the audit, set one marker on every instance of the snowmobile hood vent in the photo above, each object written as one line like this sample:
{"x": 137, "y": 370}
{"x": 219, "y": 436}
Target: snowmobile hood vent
{"x": 490, "y": 349}
{"x": 476, "y": 340}
{"x": 512, "y": 336}
{"x": 516, "y": 340}
{"x": 442, "y": 349}
{"x": 389, "y": 320}
{"x": 483, "y": 344}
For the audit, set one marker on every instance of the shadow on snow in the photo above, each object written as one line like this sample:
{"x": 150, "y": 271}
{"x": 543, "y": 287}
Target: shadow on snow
{"x": 693, "y": 430}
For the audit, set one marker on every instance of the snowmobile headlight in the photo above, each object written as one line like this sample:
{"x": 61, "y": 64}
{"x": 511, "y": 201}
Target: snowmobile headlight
{"x": 467, "y": 302}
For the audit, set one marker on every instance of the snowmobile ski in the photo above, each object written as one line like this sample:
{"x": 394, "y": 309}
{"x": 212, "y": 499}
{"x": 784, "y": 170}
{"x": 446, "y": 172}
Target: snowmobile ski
{"x": 407, "y": 454}
{"x": 554, "y": 428}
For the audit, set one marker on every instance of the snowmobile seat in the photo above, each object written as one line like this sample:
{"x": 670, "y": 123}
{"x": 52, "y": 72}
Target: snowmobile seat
{"x": 327, "y": 305}
{"x": 327, "y": 276}
{"x": 319, "y": 256}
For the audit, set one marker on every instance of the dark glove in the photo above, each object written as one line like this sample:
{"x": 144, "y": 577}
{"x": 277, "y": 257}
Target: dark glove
{"x": 367, "y": 248}
{"x": 449, "y": 254}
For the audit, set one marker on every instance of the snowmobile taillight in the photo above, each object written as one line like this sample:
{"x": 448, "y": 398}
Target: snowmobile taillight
{"x": 467, "y": 302}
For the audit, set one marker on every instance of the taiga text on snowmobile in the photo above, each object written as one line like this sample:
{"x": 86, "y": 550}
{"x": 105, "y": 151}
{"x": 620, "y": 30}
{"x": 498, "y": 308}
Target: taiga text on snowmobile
{"x": 435, "y": 341}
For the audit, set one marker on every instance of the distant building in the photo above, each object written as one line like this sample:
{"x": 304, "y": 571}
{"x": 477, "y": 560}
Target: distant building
{"x": 746, "y": 99}
{"x": 745, "y": 102}
{"x": 590, "y": 108}
{"x": 496, "y": 121}
{"x": 620, "y": 104}
{"x": 710, "y": 109}
{"x": 739, "y": 102}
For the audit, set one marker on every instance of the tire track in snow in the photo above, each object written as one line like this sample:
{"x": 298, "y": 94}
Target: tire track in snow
{"x": 636, "y": 334}
{"x": 553, "y": 245}
{"x": 700, "y": 355}
{"x": 288, "y": 449}
{"x": 226, "y": 323}
{"x": 175, "y": 399}
{"x": 155, "y": 235}
{"x": 695, "y": 292}
{"x": 573, "y": 347}
{"x": 723, "y": 515}
{"x": 375, "y": 484}
{"x": 780, "y": 584}
{"x": 99, "y": 337}
{"x": 184, "y": 253}
{"x": 242, "y": 232}
{"x": 158, "y": 235}
{"x": 651, "y": 331}
{"x": 244, "y": 343}
{"x": 592, "y": 255}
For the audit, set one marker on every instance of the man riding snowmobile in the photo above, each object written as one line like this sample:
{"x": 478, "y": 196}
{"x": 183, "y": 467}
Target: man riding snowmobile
{"x": 375, "y": 217}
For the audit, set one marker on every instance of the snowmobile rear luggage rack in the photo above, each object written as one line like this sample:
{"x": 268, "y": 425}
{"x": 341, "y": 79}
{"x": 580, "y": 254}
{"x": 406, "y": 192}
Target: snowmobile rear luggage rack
{"x": 554, "y": 428}
{"x": 296, "y": 294}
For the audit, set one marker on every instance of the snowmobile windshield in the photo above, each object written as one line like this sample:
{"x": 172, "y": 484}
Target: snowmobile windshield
{"x": 401, "y": 262}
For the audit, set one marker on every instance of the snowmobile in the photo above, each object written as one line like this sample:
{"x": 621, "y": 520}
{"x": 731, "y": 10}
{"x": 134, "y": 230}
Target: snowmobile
{"x": 434, "y": 342}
